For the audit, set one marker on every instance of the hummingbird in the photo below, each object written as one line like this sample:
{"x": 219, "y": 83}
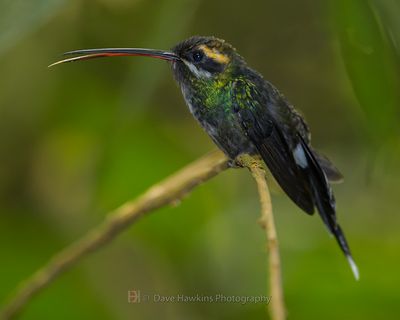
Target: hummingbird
{"x": 245, "y": 114}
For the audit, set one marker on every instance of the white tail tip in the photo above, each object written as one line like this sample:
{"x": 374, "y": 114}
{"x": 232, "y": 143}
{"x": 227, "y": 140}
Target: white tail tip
{"x": 353, "y": 267}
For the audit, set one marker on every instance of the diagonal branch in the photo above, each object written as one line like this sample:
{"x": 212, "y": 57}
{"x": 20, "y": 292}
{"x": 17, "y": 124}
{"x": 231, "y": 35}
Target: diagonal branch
{"x": 164, "y": 193}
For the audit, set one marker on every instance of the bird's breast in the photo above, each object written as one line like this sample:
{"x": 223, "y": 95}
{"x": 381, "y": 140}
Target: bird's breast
{"x": 213, "y": 110}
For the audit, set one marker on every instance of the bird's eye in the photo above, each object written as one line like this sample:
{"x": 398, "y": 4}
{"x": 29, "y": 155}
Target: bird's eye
{"x": 197, "y": 56}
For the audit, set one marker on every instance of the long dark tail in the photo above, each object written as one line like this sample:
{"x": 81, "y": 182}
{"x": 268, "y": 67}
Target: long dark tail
{"x": 325, "y": 202}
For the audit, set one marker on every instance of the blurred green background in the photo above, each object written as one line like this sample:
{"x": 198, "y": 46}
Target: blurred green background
{"x": 80, "y": 139}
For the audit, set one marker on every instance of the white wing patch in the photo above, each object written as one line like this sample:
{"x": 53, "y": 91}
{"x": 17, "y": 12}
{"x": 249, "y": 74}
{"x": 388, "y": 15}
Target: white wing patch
{"x": 300, "y": 157}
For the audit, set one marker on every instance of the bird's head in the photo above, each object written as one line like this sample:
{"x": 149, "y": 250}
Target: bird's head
{"x": 203, "y": 58}
{"x": 194, "y": 58}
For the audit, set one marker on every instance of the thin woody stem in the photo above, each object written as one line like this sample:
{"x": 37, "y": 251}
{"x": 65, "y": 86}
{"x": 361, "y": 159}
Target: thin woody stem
{"x": 277, "y": 304}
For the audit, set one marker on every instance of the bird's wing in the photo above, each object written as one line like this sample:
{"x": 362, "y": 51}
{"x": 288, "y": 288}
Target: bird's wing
{"x": 272, "y": 145}
{"x": 265, "y": 117}
{"x": 298, "y": 122}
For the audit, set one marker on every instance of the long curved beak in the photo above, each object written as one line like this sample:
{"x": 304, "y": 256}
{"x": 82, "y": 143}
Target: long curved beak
{"x": 117, "y": 52}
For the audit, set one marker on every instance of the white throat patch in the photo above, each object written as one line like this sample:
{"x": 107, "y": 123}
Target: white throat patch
{"x": 198, "y": 73}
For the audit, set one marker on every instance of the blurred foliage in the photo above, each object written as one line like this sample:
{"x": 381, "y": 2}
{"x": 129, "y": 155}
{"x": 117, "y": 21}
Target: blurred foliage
{"x": 78, "y": 140}
{"x": 19, "y": 17}
{"x": 369, "y": 35}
